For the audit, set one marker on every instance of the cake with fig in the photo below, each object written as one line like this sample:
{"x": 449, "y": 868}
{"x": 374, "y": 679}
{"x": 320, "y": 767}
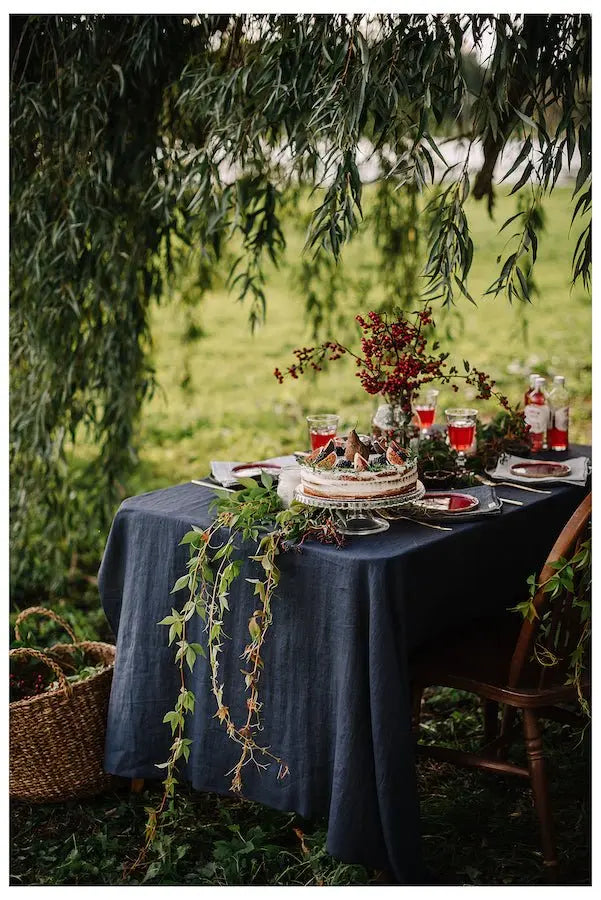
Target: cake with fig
{"x": 365, "y": 472}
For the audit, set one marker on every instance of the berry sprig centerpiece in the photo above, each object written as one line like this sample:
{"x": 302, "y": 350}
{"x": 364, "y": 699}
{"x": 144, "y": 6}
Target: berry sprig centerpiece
{"x": 398, "y": 356}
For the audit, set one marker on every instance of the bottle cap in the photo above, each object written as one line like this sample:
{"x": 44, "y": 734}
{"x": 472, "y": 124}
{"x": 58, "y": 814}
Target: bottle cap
{"x": 539, "y": 382}
{"x": 559, "y": 379}
{"x": 533, "y": 377}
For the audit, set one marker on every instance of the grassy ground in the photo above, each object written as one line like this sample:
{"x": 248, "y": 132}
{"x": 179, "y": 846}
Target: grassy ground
{"x": 232, "y": 407}
{"x": 477, "y": 828}
{"x": 217, "y": 398}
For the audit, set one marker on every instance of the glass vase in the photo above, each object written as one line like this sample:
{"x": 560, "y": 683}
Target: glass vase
{"x": 391, "y": 422}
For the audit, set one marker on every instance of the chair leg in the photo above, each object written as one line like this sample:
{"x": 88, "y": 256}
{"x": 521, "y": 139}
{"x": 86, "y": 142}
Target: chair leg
{"x": 491, "y": 720}
{"x": 540, "y": 789}
{"x": 507, "y": 723}
{"x": 416, "y": 705}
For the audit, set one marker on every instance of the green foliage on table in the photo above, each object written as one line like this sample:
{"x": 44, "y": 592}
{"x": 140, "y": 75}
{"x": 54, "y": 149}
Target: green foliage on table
{"x": 504, "y": 433}
{"x": 119, "y": 126}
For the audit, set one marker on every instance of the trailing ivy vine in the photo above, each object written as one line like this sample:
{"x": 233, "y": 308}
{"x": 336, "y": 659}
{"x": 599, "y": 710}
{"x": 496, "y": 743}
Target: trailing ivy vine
{"x": 253, "y": 514}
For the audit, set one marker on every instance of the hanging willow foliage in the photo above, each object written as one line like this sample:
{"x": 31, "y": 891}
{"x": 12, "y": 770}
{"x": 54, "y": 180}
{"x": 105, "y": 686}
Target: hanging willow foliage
{"x": 135, "y": 136}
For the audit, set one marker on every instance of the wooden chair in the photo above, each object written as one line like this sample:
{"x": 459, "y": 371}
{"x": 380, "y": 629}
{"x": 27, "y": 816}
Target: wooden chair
{"x": 495, "y": 661}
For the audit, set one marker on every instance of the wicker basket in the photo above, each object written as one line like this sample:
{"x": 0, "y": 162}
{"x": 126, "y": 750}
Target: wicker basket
{"x": 57, "y": 738}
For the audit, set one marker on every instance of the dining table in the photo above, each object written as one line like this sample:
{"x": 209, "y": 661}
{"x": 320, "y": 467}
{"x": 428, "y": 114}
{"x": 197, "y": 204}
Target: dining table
{"x": 336, "y": 683}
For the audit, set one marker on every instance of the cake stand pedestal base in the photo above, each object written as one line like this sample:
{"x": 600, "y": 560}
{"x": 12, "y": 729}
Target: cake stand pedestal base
{"x": 360, "y": 516}
{"x": 360, "y": 523}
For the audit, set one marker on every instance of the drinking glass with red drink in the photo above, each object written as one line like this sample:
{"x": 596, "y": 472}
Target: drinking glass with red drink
{"x": 461, "y": 427}
{"x": 424, "y": 407}
{"x": 322, "y": 429}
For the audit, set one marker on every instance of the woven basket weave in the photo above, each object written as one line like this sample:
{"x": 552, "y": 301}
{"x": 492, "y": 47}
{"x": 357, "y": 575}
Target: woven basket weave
{"x": 57, "y": 738}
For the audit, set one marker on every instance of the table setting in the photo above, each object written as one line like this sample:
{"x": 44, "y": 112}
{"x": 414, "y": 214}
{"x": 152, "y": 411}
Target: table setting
{"x": 510, "y": 471}
{"x": 277, "y": 602}
{"x": 524, "y": 471}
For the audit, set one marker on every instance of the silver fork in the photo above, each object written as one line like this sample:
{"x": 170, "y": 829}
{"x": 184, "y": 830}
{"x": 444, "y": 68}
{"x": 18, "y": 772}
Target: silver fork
{"x": 215, "y": 487}
{"x": 417, "y": 522}
{"x": 520, "y": 487}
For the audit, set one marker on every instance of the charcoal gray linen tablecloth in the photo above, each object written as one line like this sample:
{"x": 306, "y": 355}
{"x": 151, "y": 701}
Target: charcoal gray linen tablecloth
{"x": 335, "y": 687}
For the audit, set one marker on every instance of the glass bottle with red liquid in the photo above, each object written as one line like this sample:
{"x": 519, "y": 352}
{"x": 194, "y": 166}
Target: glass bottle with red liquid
{"x": 536, "y": 415}
{"x": 559, "y": 414}
{"x": 532, "y": 379}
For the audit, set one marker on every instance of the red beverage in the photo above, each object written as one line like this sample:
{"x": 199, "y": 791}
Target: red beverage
{"x": 425, "y": 414}
{"x": 559, "y": 415}
{"x": 536, "y": 415}
{"x": 461, "y": 435}
{"x": 322, "y": 428}
{"x": 558, "y": 440}
{"x": 321, "y": 438}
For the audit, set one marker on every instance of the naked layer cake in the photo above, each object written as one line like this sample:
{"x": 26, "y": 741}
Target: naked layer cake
{"x": 358, "y": 471}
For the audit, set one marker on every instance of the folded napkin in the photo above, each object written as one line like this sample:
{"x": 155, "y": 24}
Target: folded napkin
{"x": 580, "y": 467}
{"x": 222, "y": 471}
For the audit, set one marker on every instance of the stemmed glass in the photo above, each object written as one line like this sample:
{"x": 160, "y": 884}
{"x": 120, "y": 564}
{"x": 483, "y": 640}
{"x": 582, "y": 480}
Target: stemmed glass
{"x": 424, "y": 407}
{"x": 461, "y": 425}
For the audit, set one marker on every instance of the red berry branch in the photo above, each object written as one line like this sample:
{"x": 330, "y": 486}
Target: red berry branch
{"x": 395, "y": 360}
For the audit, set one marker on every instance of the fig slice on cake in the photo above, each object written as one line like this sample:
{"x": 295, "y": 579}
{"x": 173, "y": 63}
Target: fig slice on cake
{"x": 398, "y": 449}
{"x": 328, "y": 462}
{"x": 360, "y": 463}
{"x": 321, "y": 453}
{"x": 395, "y": 455}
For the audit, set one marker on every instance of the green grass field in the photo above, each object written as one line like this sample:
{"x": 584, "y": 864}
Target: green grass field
{"x": 233, "y": 407}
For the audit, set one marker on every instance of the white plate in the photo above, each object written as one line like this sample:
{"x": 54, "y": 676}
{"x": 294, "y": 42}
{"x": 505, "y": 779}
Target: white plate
{"x": 449, "y": 503}
{"x": 253, "y": 470}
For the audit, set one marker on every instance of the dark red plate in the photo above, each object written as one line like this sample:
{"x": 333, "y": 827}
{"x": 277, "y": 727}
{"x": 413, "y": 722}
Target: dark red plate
{"x": 252, "y": 469}
{"x": 448, "y": 503}
{"x": 540, "y": 470}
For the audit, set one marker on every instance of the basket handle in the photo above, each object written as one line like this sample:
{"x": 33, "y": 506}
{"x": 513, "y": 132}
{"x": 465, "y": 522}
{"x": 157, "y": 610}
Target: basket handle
{"x": 37, "y": 654}
{"x": 42, "y": 611}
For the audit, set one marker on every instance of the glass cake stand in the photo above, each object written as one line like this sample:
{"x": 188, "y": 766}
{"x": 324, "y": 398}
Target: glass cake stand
{"x": 358, "y": 516}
